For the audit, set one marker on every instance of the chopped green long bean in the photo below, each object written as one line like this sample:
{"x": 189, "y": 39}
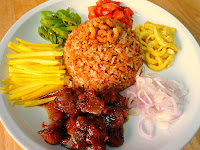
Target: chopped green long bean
{"x": 62, "y": 33}
{"x": 61, "y": 13}
{"x": 69, "y": 28}
{"x": 59, "y": 41}
{"x": 49, "y": 23}
{"x": 52, "y": 36}
{"x": 55, "y": 26}
{"x": 48, "y": 13}
{"x": 43, "y": 32}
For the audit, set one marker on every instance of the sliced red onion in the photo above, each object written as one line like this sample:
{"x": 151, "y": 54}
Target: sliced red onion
{"x": 149, "y": 125}
{"x": 140, "y": 71}
{"x": 151, "y": 96}
{"x": 130, "y": 101}
{"x": 142, "y": 98}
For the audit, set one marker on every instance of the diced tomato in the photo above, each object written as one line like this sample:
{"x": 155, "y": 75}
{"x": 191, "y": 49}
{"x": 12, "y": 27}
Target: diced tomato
{"x": 105, "y": 1}
{"x": 110, "y": 7}
{"x": 124, "y": 20}
{"x": 91, "y": 16}
{"x": 108, "y": 16}
{"x": 115, "y": 2}
{"x": 118, "y": 15}
{"x": 127, "y": 21}
{"x": 99, "y": 11}
{"x": 92, "y": 8}
{"x": 92, "y": 13}
{"x": 128, "y": 11}
{"x": 130, "y": 24}
{"x": 100, "y": 2}
{"x": 106, "y": 12}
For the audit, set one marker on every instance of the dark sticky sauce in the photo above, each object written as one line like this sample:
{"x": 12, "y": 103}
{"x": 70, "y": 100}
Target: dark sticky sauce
{"x": 52, "y": 108}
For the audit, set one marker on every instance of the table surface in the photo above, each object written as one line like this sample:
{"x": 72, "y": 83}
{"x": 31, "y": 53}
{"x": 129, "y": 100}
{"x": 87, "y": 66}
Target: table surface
{"x": 186, "y": 11}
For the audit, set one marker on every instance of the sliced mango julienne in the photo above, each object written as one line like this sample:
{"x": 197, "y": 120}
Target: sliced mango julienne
{"x": 34, "y": 71}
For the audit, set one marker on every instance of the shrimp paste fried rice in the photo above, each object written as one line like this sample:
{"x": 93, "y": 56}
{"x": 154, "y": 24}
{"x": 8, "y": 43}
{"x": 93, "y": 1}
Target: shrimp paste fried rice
{"x": 102, "y": 53}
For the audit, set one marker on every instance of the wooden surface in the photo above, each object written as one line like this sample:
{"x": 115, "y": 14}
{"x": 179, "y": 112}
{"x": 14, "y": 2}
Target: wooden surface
{"x": 186, "y": 11}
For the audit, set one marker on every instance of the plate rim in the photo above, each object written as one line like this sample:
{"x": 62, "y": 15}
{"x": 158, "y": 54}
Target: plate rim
{"x": 11, "y": 129}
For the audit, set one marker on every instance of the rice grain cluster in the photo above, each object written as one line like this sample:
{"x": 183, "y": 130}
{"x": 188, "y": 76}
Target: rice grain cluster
{"x": 102, "y": 53}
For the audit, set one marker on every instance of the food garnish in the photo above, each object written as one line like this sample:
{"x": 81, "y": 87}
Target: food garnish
{"x": 56, "y": 26}
{"x": 111, "y": 9}
{"x": 35, "y": 70}
{"x": 157, "y": 44}
{"x": 156, "y": 99}
{"x": 38, "y": 102}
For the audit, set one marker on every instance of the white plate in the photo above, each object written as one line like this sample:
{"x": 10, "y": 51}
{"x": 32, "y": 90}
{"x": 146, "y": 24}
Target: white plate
{"x": 24, "y": 123}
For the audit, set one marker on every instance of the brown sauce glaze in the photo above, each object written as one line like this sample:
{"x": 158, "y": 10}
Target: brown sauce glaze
{"x": 85, "y": 120}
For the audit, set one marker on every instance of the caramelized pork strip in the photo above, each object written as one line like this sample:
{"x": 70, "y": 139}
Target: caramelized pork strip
{"x": 66, "y": 102}
{"x": 53, "y": 133}
{"x": 90, "y": 103}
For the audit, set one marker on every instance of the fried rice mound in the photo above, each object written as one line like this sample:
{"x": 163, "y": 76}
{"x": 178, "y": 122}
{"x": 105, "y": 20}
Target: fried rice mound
{"x": 102, "y": 53}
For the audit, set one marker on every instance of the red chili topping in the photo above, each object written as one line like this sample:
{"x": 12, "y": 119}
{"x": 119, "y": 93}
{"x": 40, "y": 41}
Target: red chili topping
{"x": 113, "y": 10}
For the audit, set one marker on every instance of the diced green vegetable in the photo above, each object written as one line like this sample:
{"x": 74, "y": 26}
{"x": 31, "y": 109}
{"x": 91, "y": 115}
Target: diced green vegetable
{"x": 75, "y": 17}
{"x": 59, "y": 41}
{"x": 68, "y": 21}
{"x": 56, "y": 26}
{"x": 52, "y": 36}
{"x": 49, "y": 23}
{"x": 48, "y": 13}
{"x": 62, "y": 33}
{"x": 69, "y": 28}
{"x": 61, "y": 13}
{"x": 43, "y": 32}
{"x": 67, "y": 12}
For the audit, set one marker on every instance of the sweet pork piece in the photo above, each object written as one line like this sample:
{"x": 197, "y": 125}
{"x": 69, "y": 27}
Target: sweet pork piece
{"x": 53, "y": 133}
{"x": 115, "y": 138}
{"x": 78, "y": 91}
{"x": 86, "y": 120}
{"x": 90, "y": 103}
{"x": 108, "y": 96}
{"x": 85, "y": 131}
{"x": 96, "y": 147}
{"x": 96, "y": 131}
{"x": 73, "y": 143}
{"x": 55, "y": 114}
{"x": 76, "y": 127}
{"x": 66, "y": 102}
{"x": 113, "y": 117}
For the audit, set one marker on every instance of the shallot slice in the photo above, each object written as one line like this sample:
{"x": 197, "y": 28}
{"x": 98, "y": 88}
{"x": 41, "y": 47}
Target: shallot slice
{"x": 156, "y": 99}
{"x": 149, "y": 128}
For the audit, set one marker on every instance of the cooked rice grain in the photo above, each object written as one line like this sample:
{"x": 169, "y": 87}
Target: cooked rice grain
{"x": 102, "y": 53}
